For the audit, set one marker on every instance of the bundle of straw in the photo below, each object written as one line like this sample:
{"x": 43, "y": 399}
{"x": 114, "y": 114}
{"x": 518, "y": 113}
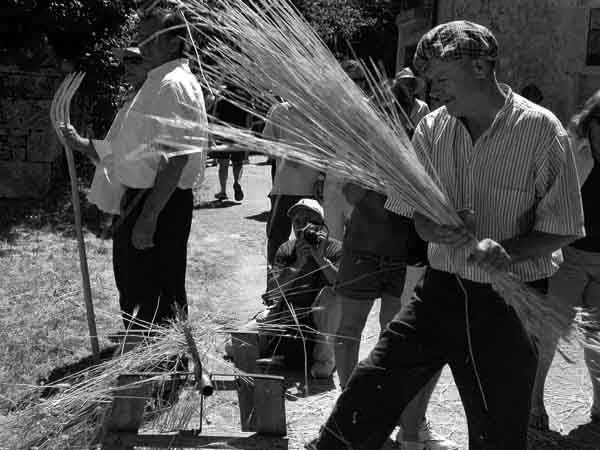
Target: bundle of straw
{"x": 265, "y": 48}
{"x": 74, "y": 416}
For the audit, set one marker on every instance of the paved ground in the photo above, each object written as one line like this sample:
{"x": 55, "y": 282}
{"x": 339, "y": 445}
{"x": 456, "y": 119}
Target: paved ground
{"x": 227, "y": 275}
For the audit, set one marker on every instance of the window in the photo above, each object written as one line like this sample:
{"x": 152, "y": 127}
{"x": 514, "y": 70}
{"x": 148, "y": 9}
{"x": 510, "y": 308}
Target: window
{"x": 593, "y": 43}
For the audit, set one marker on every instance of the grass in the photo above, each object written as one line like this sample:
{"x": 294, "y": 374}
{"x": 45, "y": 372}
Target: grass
{"x": 43, "y": 321}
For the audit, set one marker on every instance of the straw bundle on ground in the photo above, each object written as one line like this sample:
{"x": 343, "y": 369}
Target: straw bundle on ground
{"x": 73, "y": 417}
{"x": 265, "y": 49}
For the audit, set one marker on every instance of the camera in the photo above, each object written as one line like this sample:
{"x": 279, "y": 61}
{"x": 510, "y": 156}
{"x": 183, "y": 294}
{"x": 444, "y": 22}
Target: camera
{"x": 310, "y": 233}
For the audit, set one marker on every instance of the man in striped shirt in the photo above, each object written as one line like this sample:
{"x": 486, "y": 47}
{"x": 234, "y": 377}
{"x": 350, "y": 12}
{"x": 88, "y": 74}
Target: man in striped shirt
{"x": 508, "y": 163}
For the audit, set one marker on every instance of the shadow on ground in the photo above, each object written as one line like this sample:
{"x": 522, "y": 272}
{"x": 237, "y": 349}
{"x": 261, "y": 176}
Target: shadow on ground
{"x": 215, "y": 204}
{"x": 260, "y": 217}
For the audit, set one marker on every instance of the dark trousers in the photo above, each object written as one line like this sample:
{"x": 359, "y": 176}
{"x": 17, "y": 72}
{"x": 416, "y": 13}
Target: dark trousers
{"x": 279, "y": 225}
{"x": 153, "y": 280}
{"x": 426, "y": 334}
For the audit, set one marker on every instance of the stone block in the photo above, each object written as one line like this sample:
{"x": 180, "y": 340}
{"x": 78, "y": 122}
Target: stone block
{"x": 17, "y": 143}
{"x": 5, "y": 153}
{"x": 21, "y": 179}
{"x": 24, "y": 85}
{"x": 16, "y": 113}
{"x": 43, "y": 146}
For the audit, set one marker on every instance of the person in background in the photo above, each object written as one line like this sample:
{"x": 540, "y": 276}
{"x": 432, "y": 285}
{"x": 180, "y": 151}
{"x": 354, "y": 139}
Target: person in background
{"x": 337, "y": 209}
{"x": 300, "y": 288}
{"x": 406, "y": 81}
{"x": 150, "y": 242}
{"x": 507, "y": 163}
{"x": 227, "y": 111}
{"x": 577, "y": 282}
{"x": 293, "y": 180}
{"x": 374, "y": 263}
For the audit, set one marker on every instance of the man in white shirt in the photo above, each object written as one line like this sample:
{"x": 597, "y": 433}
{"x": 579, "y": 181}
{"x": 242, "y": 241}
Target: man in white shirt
{"x": 150, "y": 243}
{"x": 106, "y": 192}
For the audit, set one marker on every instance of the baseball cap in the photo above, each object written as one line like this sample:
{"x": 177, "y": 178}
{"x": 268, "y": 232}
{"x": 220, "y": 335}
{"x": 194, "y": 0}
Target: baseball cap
{"x": 307, "y": 203}
{"x": 407, "y": 74}
{"x": 455, "y": 40}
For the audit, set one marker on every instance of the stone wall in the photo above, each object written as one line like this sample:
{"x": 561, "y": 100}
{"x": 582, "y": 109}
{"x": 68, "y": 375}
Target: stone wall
{"x": 30, "y": 153}
{"x": 541, "y": 42}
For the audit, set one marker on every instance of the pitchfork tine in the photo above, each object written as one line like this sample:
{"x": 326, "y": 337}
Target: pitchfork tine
{"x": 72, "y": 89}
{"x": 54, "y": 117}
{"x": 59, "y": 97}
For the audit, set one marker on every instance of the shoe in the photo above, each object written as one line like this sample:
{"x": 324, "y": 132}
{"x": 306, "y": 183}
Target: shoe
{"x": 238, "y": 193}
{"x": 428, "y": 440}
{"x": 322, "y": 369}
{"x": 221, "y": 196}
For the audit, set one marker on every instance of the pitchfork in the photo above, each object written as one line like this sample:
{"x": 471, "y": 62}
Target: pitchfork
{"x": 60, "y": 113}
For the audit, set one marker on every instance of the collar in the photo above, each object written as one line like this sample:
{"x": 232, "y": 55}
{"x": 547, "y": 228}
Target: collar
{"x": 163, "y": 69}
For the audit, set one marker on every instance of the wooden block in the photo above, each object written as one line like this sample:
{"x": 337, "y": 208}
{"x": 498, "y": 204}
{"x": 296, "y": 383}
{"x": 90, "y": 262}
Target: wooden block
{"x": 269, "y": 406}
{"x": 245, "y": 392}
{"x": 127, "y": 411}
{"x": 245, "y": 350}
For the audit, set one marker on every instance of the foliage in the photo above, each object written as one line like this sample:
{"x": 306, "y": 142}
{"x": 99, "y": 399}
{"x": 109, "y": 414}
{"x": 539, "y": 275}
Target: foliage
{"x": 70, "y": 35}
{"x": 367, "y": 25}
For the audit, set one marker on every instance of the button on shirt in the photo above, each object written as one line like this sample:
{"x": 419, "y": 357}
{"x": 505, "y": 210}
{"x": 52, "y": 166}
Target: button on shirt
{"x": 170, "y": 92}
{"x": 519, "y": 176}
{"x": 291, "y": 177}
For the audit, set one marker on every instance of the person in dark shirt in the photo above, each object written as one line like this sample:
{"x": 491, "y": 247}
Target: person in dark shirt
{"x": 577, "y": 282}
{"x": 376, "y": 252}
{"x": 300, "y": 292}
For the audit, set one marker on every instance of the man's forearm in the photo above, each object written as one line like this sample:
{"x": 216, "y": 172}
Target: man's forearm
{"x": 535, "y": 244}
{"x": 165, "y": 184}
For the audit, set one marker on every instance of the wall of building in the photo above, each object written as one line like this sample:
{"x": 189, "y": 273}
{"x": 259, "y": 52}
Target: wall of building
{"x": 29, "y": 150}
{"x": 541, "y": 42}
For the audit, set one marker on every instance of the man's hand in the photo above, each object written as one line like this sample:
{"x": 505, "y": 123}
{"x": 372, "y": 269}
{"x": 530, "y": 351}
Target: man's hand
{"x": 490, "y": 256}
{"x": 72, "y": 137}
{"x": 142, "y": 236}
{"x": 78, "y": 143}
{"x": 318, "y": 251}
{"x": 451, "y": 236}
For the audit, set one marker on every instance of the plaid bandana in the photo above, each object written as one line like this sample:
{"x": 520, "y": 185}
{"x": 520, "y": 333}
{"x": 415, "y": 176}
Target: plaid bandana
{"x": 455, "y": 40}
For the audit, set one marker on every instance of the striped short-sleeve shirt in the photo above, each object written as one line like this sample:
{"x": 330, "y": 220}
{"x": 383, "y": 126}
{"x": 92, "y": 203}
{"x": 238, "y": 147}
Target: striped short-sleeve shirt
{"x": 519, "y": 176}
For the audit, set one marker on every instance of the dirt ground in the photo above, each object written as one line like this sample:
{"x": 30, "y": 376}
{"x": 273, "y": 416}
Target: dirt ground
{"x": 228, "y": 247}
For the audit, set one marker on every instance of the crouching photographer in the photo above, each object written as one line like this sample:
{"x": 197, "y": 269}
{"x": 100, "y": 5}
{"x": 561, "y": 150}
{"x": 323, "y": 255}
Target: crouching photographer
{"x": 301, "y": 303}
